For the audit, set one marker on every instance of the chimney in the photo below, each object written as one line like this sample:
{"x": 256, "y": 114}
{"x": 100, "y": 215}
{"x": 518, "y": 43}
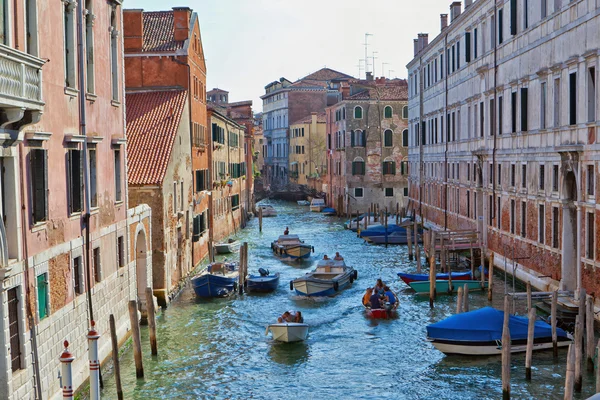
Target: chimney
{"x": 133, "y": 30}
{"x": 181, "y": 23}
{"x": 416, "y": 46}
{"x": 468, "y": 3}
{"x": 314, "y": 118}
{"x": 454, "y": 10}
{"x": 369, "y": 76}
{"x": 423, "y": 40}
{"x": 444, "y": 21}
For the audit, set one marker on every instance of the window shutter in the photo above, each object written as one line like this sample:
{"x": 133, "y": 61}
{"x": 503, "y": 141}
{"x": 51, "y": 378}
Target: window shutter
{"x": 354, "y": 168}
{"x": 70, "y": 181}
{"x": 364, "y": 139}
{"x": 352, "y": 141}
{"x": 81, "y": 181}
{"x": 393, "y": 165}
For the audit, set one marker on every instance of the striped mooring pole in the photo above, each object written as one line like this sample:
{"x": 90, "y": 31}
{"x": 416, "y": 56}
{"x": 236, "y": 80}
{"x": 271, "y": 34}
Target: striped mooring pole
{"x": 93, "y": 337}
{"x": 66, "y": 358}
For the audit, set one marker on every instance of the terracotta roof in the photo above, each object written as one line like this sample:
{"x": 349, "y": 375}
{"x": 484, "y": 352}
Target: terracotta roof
{"x": 152, "y": 124}
{"x": 159, "y": 32}
{"x": 321, "y": 119}
{"x": 391, "y": 90}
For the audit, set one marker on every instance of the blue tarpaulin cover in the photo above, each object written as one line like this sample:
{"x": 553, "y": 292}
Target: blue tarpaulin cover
{"x": 484, "y": 325}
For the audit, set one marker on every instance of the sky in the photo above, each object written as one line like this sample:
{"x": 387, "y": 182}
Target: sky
{"x": 250, "y": 43}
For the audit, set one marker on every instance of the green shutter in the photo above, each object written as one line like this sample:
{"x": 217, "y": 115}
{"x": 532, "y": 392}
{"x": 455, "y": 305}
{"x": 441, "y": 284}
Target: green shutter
{"x": 42, "y": 285}
{"x": 353, "y": 168}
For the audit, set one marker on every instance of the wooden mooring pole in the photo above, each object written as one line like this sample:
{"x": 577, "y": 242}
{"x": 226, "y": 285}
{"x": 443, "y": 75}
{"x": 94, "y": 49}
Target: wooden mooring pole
{"x": 151, "y": 320}
{"x": 598, "y": 367}
{"x": 553, "y": 323}
{"x": 490, "y": 277}
{"x": 459, "y": 300}
{"x": 409, "y": 242}
{"x": 432, "y": 289}
{"x": 589, "y": 334}
{"x": 260, "y": 218}
{"x": 115, "y": 356}
{"x": 466, "y": 298}
{"x": 137, "y": 341}
{"x": 506, "y": 351}
{"x": 569, "y": 380}
{"x": 417, "y": 248}
{"x": 528, "y": 296}
{"x": 529, "y": 351}
{"x": 578, "y": 353}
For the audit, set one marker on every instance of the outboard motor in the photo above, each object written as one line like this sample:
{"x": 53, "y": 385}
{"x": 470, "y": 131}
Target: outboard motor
{"x": 263, "y": 272}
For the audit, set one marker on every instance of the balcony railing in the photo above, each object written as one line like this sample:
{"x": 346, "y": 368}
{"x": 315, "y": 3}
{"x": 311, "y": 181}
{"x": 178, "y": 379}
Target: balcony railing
{"x": 20, "y": 79}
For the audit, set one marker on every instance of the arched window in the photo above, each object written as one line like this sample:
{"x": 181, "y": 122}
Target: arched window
{"x": 358, "y": 166}
{"x": 358, "y": 111}
{"x": 405, "y": 112}
{"x": 405, "y": 138}
{"x": 389, "y": 166}
{"x": 358, "y": 138}
{"x": 388, "y": 137}
{"x": 387, "y": 112}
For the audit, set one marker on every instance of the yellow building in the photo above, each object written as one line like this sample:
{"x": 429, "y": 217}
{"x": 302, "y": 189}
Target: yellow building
{"x": 308, "y": 154}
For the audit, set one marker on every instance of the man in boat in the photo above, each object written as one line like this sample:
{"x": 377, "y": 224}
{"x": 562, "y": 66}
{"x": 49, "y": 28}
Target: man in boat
{"x": 366, "y": 300}
{"x": 325, "y": 257}
{"x": 285, "y": 317}
{"x": 389, "y": 298}
{"x": 338, "y": 257}
{"x": 287, "y": 231}
{"x": 375, "y": 301}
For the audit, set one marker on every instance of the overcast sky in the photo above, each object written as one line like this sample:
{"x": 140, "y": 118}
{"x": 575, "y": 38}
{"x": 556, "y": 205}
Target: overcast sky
{"x": 250, "y": 43}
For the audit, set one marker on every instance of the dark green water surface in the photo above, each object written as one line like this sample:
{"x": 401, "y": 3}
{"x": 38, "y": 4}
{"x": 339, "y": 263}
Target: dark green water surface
{"x": 217, "y": 349}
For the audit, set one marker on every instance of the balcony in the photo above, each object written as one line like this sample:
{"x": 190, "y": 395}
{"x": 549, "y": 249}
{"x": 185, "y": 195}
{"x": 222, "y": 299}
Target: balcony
{"x": 20, "y": 90}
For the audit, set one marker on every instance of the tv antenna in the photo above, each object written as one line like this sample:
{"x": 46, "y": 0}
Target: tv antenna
{"x": 367, "y": 52}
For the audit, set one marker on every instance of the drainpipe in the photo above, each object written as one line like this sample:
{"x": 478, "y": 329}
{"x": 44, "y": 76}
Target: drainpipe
{"x": 420, "y": 139}
{"x": 494, "y": 131}
{"x": 445, "y": 117}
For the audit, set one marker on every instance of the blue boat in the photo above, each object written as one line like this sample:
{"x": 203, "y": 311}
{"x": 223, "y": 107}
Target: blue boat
{"x": 330, "y": 212}
{"x": 479, "y": 332}
{"x": 262, "y": 283}
{"x": 456, "y": 276}
{"x": 217, "y": 280}
{"x": 380, "y": 230}
{"x": 399, "y": 237}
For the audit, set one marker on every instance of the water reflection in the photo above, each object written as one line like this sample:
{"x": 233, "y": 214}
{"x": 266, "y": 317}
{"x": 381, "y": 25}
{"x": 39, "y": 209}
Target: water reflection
{"x": 290, "y": 354}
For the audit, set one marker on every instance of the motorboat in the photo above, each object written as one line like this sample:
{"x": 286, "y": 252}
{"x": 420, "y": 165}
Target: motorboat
{"x": 456, "y": 276}
{"x": 479, "y": 333}
{"x": 327, "y": 279}
{"x": 394, "y": 238}
{"x": 303, "y": 203}
{"x": 265, "y": 282}
{"x": 291, "y": 246}
{"x": 228, "y": 247}
{"x": 217, "y": 280}
{"x": 370, "y": 222}
{"x": 316, "y": 205}
{"x": 443, "y": 286}
{"x": 268, "y": 211}
{"x": 288, "y": 331}
{"x": 328, "y": 211}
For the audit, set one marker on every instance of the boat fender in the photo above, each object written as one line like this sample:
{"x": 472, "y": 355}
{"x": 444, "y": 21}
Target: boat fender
{"x": 291, "y": 285}
{"x": 336, "y": 286}
{"x": 313, "y": 248}
{"x": 355, "y": 274}
{"x": 235, "y": 286}
{"x": 351, "y": 279}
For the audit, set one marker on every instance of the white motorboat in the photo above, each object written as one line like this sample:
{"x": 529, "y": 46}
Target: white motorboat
{"x": 228, "y": 247}
{"x": 327, "y": 279}
{"x": 288, "y": 331}
{"x": 316, "y": 205}
{"x": 303, "y": 203}
{"x": 268, "y": 211}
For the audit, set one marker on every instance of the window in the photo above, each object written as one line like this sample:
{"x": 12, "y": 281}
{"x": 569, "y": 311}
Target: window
{"x": 513, "y": 109}
{"x": 388, "y": 137}
{"x": 42, "y": 295}
{"x": 120, "y": 252}
{"x": 543, "y": 95}
{"x": 500, "y": 26}
{"x": 513, "y": 17}
{"x": 93, "y": 180}
{"x": 405, "y": 192}
{"x": 202, "y": 180}
{"x": 524, "y": 219}
{"x": 525, "y": 14}
{"x": 39, "y": 184}
{"x": 499, "y": 179}
{"x": 512, "y": 175}
{"x": 404, "y": 168}
{"x": 405, "y": 138}
{"x": 89, "y": 46}
{"x": 69, "y": 38}
{"x": 181, "y": 198}
{"x": 542, "y": 177}
{"x": 490, "y": 211}
{"x": 590, "y": 180}
{"x": 235, "y": 202}
{"x": 200, "y": 226}
{"x": 557, "y": 102}
{"x": 389, "y": 192}
{"x": 114, "y": 57}
{"x": 499, "y": 213}
{"x": 573, "y": 98}
{"x": 75, "y": 176}
{"x": 524, "y": 102}
{"x": 387, "y": 112}
{"x": 78, "y": 285}
{"x": 492, "y": 114}
{"x": 591, "y": 94}
{"x": 541, "y": 223}
{"x": 118, "y": 182}
{"x": 544, "y": 9}
{"x": 481, "y": 119}
{"x": 500, "y": 114}
{"x": 512, "y": 217}
{"x": 358, "y": 112}
{"x": 524, "y": 176}
{"x": 491, "y": 174}
{"x": 555, "y": 227}
{"x": 475, "y": 44}
{"x": 405, "y": 112}
{"x": 358, "y": 166}
{"x": 358, "y": 192}
{"x": 468, "y": 204}
{"x": 389, "y": 167}
{"x": 358, "y": 138}
{"x": 590, "y": 233}
{"x": 14, "y": 329}
{"x": 555, "y": 178}
{"x": 96, "y": 264}
{"x": 467, "y": 47}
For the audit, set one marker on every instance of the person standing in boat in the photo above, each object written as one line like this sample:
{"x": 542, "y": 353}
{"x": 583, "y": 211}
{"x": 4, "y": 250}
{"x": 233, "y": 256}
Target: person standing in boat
{"x": 375, "y": 301}
{"x": 338, "y": 257}
{"x": 287, "y": 231}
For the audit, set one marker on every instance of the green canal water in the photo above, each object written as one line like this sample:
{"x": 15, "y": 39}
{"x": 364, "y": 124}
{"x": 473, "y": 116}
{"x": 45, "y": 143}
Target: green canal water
{"x": 217, "y": 349}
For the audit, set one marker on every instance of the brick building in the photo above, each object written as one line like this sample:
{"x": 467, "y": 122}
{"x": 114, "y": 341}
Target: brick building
{"x": 503, "y": 112}
{"x": 367, "y": 142}
{"x": 285, "y": 101}
{"x": 164, "y": 53}
{"x": 218, "y": 96}
{"x": 67, "y": 240}
{"x": 308, "y": 151}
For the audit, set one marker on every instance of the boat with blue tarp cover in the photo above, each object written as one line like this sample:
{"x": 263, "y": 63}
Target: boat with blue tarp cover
{"x": 456, "y": 276}
{"x": 479, "y": 332}
{"x": 398, "y": 237}
{"x": 327, "y": 279}
{"x": 265, "y": 282}
{"x": 380, "y": 230}
{"x": 330, "y": 212}
{"x": 217, "y": 280}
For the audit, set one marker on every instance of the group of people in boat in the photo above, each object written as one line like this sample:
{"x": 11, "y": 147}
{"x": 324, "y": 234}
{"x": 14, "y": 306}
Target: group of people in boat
{"x": 379, "y": 297}
{"x": 337, "y": 257}
{"x": 291, "y": 316}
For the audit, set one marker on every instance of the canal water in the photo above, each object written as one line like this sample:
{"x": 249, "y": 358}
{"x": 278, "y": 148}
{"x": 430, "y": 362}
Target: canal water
{"x": 217, "y": 349}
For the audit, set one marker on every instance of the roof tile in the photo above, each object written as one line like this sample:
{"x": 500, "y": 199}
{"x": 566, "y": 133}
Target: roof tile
{"x": 159, "y": 32}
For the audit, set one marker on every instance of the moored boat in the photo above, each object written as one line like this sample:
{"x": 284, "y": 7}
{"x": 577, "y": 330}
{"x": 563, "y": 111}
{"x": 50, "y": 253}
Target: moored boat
{"x": 316, "y": 205}
{"x": 456, "y": 276}
{"x": 479, "y": 332}
{"x": 327, "y": 279}
{"x": 303, "y": 203}
{"x": 217, "y": 280}
{"x": 288, "y": 331}
{"x": 227, "y": 247}
{"x": 328, "y": 211}
{"x": 441, "y": 286}
{"x": 291, "y": 246}
{"x": 268, "y": 211}
{"x": 265, "y": 282}
{"x": 394, "y": 238}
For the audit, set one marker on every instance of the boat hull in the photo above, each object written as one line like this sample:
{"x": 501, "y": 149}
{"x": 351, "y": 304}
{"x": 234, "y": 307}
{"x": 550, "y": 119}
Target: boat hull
{"x": 396, "y": 239}
{"x": 441, "y": 286}
{"x": 208, "y": 285}
{"x": 294, "y": 252}
{"x": 288, "y": 332}
{"x": 456, "y": 276}
{"x": 312, "y": 287}
{"x": 316, "y": 208}
{"x": 262, "y": 284}
{"x": 493, "y": 348}
{"x": 226, "y": 248}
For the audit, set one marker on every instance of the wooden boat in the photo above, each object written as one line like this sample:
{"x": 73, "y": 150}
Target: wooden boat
{"x": 327, "y": 279}
{"x": 441, "y": 286}
{"x": 303, "y": 203}
{"x": 479, "y": 333}
{"x": 388, "y": 312}
{"x": 263, "y": 282}
{"x": 394, "y": 238}
{"x": 288, "y": 332}
{"x": 316, "y": 205}
{"x": 268, "y": 211}
{"x": 328, "y": 211}
{"x": 291, "y": 246}
{"x": 228, "y": 247}
{"x": 217, "y": 280}
{"x": 456, "y": 276}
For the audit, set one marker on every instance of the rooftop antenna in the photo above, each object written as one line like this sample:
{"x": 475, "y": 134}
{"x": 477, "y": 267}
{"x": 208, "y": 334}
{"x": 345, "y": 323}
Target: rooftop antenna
{"x": 360, "y": 67}
{"x": 367, "y": 52}
{"x": 390, "y": 73}
{"x": 383, "y": 64}
{"x": 373, "y": 63}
